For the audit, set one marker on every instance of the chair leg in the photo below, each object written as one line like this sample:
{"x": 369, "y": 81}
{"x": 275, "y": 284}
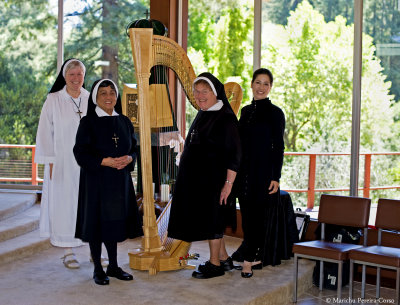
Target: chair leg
{"x": 295, "y": 273}
{"x": 351, "y": 279}
{"x": 397, "y": 286}
{"x": 339, "y": 280}
{"x": 363, "y": 281}
{"x": 378, "y": 282}
{"x": 321, "y": 275}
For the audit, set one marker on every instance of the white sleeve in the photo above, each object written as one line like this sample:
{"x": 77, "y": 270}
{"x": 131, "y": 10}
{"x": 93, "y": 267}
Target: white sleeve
{"x": 45, "y": 134}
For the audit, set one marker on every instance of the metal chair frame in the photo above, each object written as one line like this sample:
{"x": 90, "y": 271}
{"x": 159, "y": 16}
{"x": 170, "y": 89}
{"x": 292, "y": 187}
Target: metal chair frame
{"x": 329, "y": 244}
{"x": 377, "y": 265}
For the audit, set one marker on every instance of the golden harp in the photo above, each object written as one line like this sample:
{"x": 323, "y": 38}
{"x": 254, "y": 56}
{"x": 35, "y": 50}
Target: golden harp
{"x": 158, "y": 252}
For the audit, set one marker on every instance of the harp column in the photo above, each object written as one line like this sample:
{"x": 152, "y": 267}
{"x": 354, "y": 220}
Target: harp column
{"x": 141, "y": 42}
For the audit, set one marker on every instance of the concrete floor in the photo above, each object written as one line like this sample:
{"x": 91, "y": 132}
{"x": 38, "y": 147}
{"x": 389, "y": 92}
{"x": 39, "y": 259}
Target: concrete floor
{"x": 315, "y": 297}
{"x": 42, "y": 279}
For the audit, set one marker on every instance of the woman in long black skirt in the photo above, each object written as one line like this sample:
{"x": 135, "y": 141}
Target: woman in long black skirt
{"x": 261, "y": 128}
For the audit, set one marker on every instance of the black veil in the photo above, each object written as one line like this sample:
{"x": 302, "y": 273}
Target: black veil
{"x": 215, "y": 85}
{"x": 60, "y": 80}
{"x": 92, "y": 106}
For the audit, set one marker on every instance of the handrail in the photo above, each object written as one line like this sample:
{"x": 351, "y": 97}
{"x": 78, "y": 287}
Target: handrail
{"x": 311, "y": 190}
{"x": 312, "y": 165}
{"x": 34, "y": 179}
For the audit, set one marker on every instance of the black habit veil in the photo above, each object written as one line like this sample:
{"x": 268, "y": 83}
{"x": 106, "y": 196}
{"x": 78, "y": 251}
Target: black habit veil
{"x": 216, "y": 86}
{"x": 60, "y": 80}
{"x": 91, "y": 104}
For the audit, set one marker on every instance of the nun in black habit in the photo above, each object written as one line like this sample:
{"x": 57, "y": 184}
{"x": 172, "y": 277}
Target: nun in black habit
{"x": 200, "y": 207}
{"x": 105, "y": 149}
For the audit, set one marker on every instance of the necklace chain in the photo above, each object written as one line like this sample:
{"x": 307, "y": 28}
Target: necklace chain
{"x": 77, "y": 106}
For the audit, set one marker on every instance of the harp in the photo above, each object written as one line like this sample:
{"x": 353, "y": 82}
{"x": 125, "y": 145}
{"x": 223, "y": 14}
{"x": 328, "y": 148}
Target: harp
{"x": 158, "y": 252}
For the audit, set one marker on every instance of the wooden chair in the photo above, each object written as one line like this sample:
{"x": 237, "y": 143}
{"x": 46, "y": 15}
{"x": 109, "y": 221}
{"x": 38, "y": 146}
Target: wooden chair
{"x": 380, "y": 256}
{"x": 338, "y": 210}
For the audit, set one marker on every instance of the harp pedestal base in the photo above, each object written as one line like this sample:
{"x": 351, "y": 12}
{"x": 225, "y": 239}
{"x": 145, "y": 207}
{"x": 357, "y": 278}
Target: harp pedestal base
{"x": 156, "y": 261}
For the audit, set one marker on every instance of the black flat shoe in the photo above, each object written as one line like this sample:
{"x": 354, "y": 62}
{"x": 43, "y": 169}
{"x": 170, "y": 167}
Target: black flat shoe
{"x": 101, "y": 278}
{"x": 259, "y": 266}
{"x": 228, "y": 265}
{"x": 208, "y": 270}
{"x": 119, "y": 274}
{"x": 247, "y": 275}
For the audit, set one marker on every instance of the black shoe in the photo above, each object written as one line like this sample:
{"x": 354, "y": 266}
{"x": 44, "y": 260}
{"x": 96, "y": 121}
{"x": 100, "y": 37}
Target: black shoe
{"x": 228, "y": 265}
{"x": 208, "y": 270}
{"x": 101, "y": 278}
{"x": 119, "y": 274}
{"x": 247, "y": 275}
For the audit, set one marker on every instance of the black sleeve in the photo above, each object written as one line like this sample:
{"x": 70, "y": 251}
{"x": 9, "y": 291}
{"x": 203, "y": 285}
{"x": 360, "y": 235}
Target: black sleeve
{"x": 133, "y": 151}
{"x": 84, "y": 151}
{"x": 243, "y": 113}
{"x": 278, "y": 145}
{"x": 233, "y": 149}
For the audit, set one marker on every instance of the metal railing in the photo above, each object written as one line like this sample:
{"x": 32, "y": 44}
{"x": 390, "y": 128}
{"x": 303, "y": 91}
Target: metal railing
{"x": 312, "y": 165}
{"x": 26, "y": 170}
{"x": 16, "y": 170}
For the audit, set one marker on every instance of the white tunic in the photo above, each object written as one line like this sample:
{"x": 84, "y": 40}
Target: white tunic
{"x": 55, "y": 140}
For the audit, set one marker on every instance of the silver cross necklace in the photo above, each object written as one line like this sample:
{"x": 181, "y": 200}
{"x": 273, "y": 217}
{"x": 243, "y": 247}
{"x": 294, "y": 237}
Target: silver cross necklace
{"x": 79, "y": 112}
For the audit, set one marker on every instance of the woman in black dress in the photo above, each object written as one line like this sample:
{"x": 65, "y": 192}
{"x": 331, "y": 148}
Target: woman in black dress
{"x": 200, "y": 207}
{"x": 105, "y": 149}
{"x": 261, "y": 128}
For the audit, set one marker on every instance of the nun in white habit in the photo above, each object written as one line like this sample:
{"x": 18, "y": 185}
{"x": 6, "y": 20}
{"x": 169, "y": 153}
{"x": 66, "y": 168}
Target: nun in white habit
{"x": 62, "y": 111}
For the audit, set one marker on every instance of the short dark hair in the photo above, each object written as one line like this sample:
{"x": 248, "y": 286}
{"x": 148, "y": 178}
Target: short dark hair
{"x": 107, "y": 83}
{"x": 262, "y": 71}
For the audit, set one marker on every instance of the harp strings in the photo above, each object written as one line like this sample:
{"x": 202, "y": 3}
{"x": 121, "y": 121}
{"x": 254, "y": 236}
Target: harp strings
{"x": 162, "y": 224}
{"x": 166, "y": 169}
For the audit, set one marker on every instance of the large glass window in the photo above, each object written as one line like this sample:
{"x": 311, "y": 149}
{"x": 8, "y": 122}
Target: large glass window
{"x": 94, "y": 32}
{"x": 309, "y": 47}
{"x": 381, "y": 94}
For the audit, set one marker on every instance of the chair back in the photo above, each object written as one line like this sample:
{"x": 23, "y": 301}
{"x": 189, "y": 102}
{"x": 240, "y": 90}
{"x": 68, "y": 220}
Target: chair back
{"x": 344, "y": 210}
{"x": 388, "y": 214}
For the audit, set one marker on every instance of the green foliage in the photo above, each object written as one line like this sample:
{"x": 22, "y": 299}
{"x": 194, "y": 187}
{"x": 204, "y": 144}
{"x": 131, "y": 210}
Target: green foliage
{"x": 234, "y": 44}
{"x": 277, "y": 11}
{"x": 219, "y": 41}
{"x": 381, "y": 21}
{"x": 21, "y": 99}
{"x": 312, "y": 64}
{"x": 313, "y": 83}
{"x": 98, "y": 30}
{"x": 330, "y": 9}
{"x": 200, "y": 32}
{"x": 28, "y": 55}
{"x": 27, "y": 33}
{"x": 27, "y": 43}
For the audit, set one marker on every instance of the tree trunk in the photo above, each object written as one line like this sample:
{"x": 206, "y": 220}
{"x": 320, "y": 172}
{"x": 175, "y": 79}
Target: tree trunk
{"x": 110, "y": 51}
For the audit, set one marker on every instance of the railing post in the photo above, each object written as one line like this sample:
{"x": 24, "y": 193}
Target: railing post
{"x": 311, "y": 181}
{"x": 367, "y": 175}
{"x": 34, "y": 168}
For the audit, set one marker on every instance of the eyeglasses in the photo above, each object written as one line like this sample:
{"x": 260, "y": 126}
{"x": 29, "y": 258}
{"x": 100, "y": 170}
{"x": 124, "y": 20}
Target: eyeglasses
{"x": 202, "y": 92}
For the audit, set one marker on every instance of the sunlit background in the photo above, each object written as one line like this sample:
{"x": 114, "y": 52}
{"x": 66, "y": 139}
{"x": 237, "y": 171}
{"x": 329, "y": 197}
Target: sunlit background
{"x": 308, "y": 45}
